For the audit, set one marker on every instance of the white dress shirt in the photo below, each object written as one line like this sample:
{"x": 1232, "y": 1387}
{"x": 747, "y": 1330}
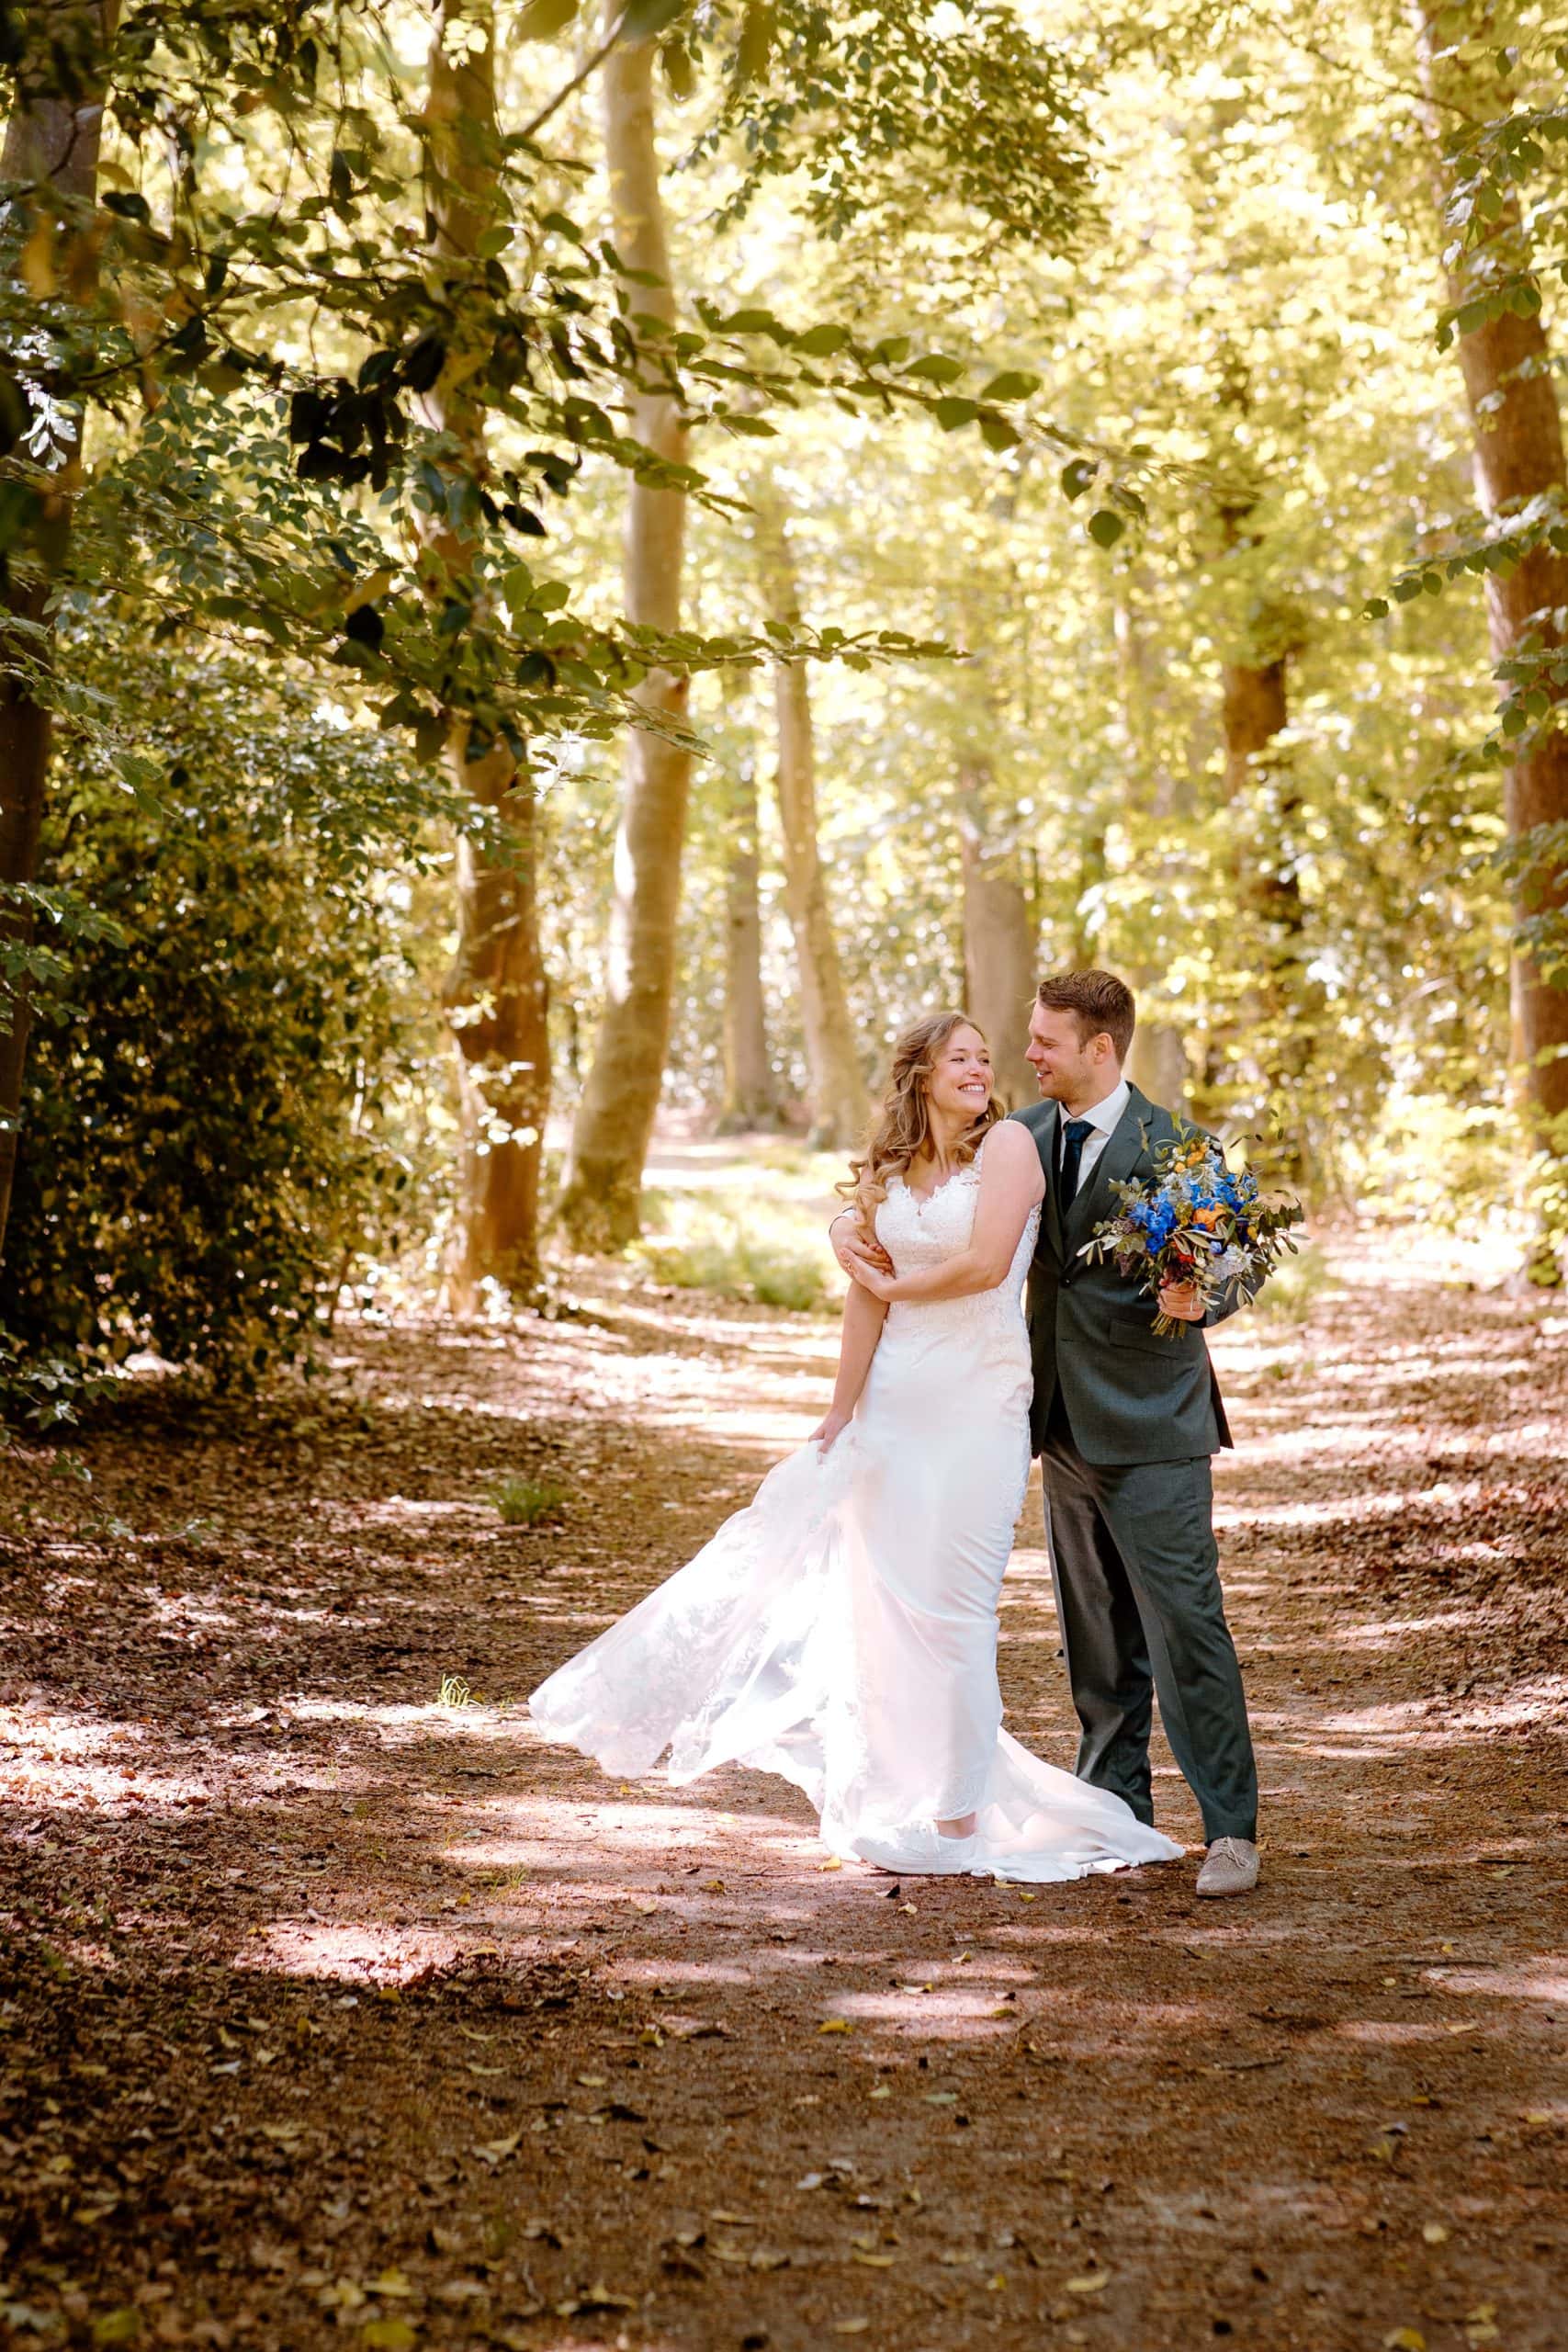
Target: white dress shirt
{"x": 1102, "y": 1118}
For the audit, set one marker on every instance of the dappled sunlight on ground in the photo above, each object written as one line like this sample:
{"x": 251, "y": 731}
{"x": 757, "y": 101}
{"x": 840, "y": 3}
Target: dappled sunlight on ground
{"x": 377, "y": 2009}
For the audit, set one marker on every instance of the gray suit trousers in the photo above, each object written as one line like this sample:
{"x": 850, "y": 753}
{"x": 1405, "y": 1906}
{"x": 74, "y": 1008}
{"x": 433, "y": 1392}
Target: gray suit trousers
{"x": 1136, "y": 1573}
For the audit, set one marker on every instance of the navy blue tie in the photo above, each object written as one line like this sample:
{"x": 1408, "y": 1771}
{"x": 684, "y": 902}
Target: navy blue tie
{"x": 1073, "y": 1136}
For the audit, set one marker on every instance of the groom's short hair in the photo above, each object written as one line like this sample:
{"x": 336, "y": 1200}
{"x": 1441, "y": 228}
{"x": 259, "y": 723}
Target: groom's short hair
{"x": 1097, "y": 1001}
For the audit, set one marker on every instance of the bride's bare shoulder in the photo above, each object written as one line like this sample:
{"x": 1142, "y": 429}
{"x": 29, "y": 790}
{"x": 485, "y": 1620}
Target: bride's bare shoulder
{"x": 1009, "y": 1149}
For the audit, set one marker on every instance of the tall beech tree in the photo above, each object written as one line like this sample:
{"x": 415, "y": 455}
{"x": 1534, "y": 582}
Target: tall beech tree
{"x": 614, "y": 1119}
{"x": 835, "y": 1082}
{"x": 52, "y": 143}
{"x": 497, "y": 995}
{"x": 1001, "y": 938}
{"x": 1508, "y": 367}
{"x": 750, "y": 1087}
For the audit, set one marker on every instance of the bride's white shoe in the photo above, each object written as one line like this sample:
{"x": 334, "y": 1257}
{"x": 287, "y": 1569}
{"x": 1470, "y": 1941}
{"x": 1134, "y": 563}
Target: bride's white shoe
{"x": 920, "y": 1853}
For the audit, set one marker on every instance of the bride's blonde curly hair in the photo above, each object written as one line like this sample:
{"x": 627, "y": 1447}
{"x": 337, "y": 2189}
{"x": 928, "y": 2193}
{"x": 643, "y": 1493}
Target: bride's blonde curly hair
{"x": 900, "y": 1131}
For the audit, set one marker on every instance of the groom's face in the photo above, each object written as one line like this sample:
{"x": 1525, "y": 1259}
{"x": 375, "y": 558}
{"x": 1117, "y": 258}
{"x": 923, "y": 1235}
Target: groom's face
{"x": 1067, "y": 1065}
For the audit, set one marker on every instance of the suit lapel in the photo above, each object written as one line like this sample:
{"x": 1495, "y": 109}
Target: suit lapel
{"x": 1115, "y": 1164}
{"x": 1051, "y": 1217}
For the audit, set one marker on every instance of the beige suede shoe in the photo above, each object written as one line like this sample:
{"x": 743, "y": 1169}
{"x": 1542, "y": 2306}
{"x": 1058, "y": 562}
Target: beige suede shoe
{"x": 1231, "y": 1868}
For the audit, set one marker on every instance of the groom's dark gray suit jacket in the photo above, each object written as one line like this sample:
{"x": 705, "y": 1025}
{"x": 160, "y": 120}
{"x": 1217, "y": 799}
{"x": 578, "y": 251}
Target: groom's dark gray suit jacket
{"x": 1130, "y": 1395}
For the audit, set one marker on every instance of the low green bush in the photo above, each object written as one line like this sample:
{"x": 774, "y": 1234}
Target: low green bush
{"x": 738, "y": 1255}
{"x": 1289, "y": 1293}
{"x": 524, "y": 1502}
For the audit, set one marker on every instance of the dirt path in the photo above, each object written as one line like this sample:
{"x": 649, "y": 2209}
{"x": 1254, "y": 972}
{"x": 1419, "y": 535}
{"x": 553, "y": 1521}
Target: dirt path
{"x": 329, "y": 2015}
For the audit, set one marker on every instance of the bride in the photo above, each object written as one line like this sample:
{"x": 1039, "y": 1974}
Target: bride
{"x": 842, "y": 1630}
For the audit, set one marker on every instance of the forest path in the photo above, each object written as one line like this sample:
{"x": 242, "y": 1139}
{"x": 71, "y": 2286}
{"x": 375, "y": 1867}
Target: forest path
{"x": 330, "y": 2015}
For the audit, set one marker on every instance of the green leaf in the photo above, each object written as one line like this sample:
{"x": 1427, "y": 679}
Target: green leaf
{"x": 644, "y": 18}
{"x": 820, "y": 343}
{"x": 1011, "y": 385}
{"x": 755, "y": 46}
{"x": 1077, "y": 476}
{"x": 1105, "y": 526}
{"x": 753, "y": 322}
{"x": 541, "y": 19}
{"x": 936, "y": 367}
{"x": 953, "y": 412}
{"x": 998, "y": 434}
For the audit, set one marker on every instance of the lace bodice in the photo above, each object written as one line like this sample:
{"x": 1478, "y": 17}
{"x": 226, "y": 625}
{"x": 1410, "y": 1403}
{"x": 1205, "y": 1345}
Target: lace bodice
{"x": 917, "y": 1232}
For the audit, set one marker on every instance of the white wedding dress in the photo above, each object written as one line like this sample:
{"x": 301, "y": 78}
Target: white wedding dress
{"x": 842, "y": 1630}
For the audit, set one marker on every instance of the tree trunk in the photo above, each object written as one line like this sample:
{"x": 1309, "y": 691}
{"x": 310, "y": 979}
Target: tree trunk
{"x": 1279, "y": 998}
{"x": 497, "y": 1001}
{"x": 53, "y": 142}
{"x": 835, "y": 1082}
{"x": 1157, "y": 1061}
{"x": 1509, "y": 387}
{"x": 1001, "y": 968}
{"x": 614, "y": 1120}
{"x": 497, "y": 995}
{"x": 750, "y": 1091}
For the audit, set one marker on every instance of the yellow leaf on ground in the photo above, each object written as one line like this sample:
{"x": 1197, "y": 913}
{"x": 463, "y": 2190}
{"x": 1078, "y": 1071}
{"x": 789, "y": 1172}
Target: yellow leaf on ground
{"x": 122, "y": 2326}
{"x": 872, "y": 2261}
{"x": 713, "y": 1886}
{"x": 647, "y": 1909}
{"x": 882, "y": 2091}
{"x": 390, "y": 2282}
{"x": 388, "y": 2335}
{"x": 1404, "y": 2339}
{"x": 1089, "y": 2284}
{"x": 851, "y": 2326}
{"x": 833, "y": 1864}
{"x": 835, "y": 2025}
{"x": 1436, "y": 2232}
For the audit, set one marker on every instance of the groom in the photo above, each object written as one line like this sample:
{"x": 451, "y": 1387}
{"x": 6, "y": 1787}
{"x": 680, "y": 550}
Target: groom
{"x": 1124, "y": 1423}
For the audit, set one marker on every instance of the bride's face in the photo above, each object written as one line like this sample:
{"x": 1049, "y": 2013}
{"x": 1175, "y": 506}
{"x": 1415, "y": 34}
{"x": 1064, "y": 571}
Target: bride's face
{"x": 960, "y": 1084}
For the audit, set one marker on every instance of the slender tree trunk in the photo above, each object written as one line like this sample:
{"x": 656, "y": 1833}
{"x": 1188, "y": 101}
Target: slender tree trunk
{"x": 835, "y": 1082}
{"x": 53, "y": 141}
{"x": 614, "y": 1120}
{"x": 1157, "y": 1062}
{"x": 750, "y": 1091}
{"x": 1280, "y": 1002}
{"x": 496, "y": 996}
{"x": 1000, "y": 945}
{"x": 1506, "y": 365}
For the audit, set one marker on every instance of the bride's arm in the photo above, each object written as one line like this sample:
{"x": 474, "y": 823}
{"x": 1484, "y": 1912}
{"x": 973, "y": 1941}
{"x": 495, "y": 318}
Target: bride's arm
{"x": 864, "y": 1318}
{"x": 1012, "y": 1183}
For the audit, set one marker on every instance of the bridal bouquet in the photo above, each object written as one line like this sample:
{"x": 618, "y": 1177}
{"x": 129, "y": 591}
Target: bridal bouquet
{"x": 1198, "y": 1221}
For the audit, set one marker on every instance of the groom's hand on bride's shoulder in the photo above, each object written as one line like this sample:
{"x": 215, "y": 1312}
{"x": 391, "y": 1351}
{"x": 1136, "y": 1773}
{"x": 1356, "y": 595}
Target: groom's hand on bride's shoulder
{"x": 1182, "y": 1301}
{"x": 854, "y": 1253}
